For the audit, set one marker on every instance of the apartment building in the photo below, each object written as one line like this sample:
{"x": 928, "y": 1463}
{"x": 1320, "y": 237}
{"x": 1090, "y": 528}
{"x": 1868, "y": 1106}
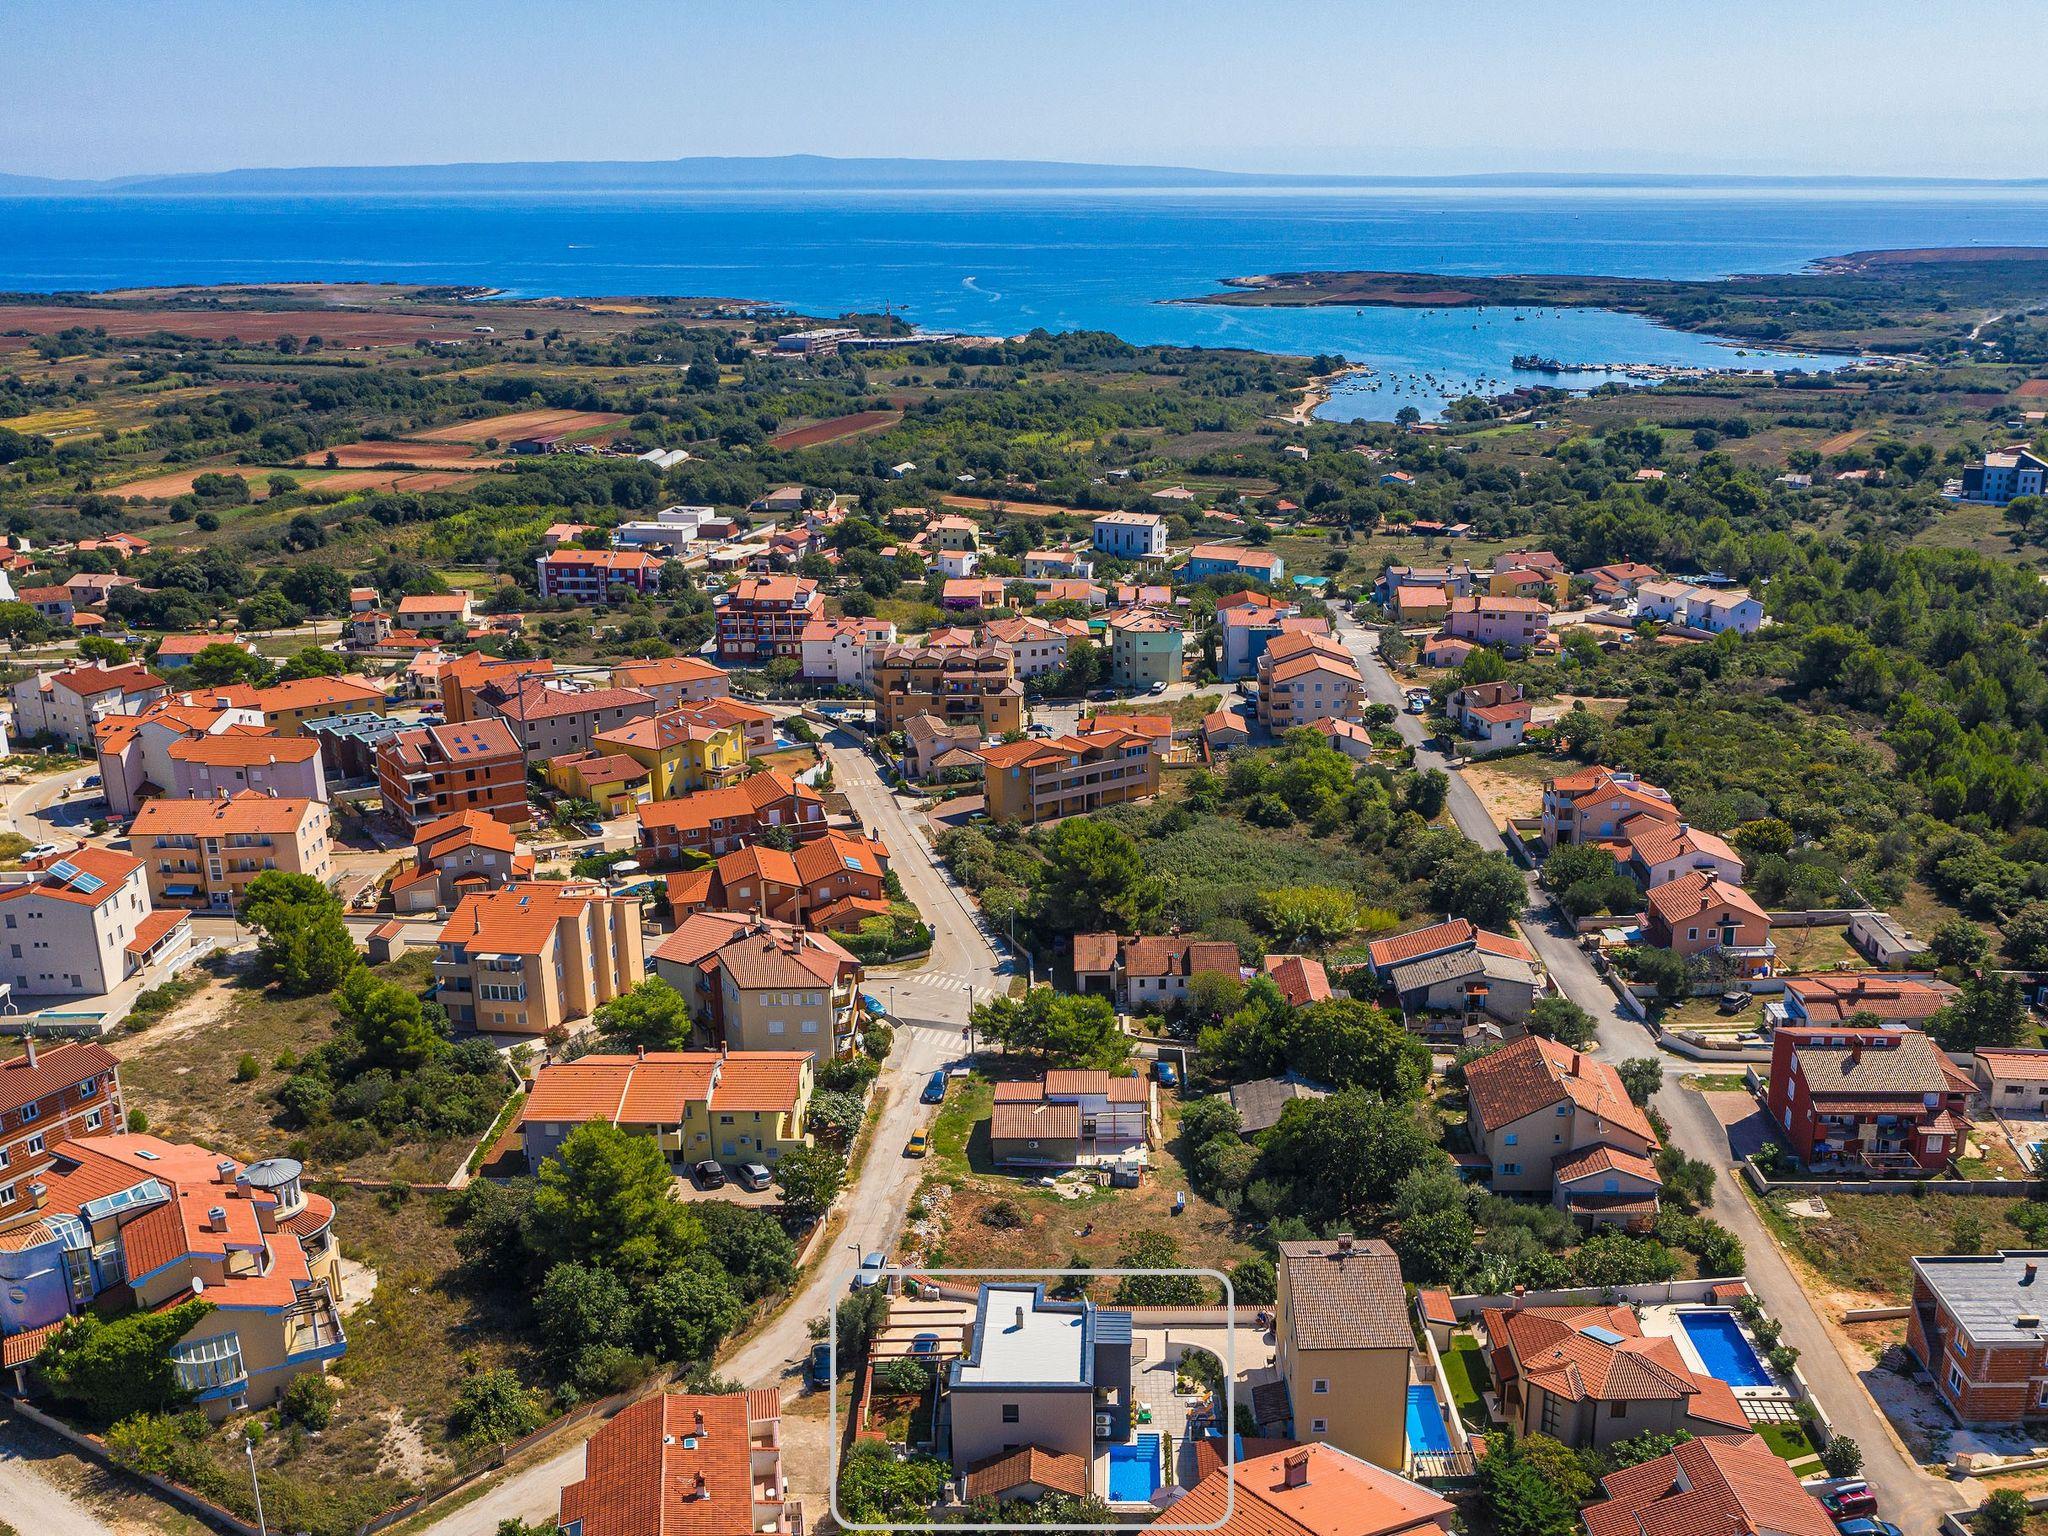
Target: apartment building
{"x": 2005, "y": 474}
{"x": 1877, "y": 1099}
{"x": 715, "y": 821}
{"x": 682, "y": 750}
{"x": 832, "y": 882}
{"x": 1975, "y": 1325}
{"x": 1342, "y": 1342}
{"x": 1045, "y": 779}
{"x": 1595, "y": 805}
{"x": 1549, "y": 1120}
{"x": 65, "y": 706}
{"x": 1306, "y": 678}
{"x": 1516, "y": 625}
{"x": 51, "y": 1094}
{"x": 288, "y": 708}
{"x": 531, "y": 957}
{"x": 1206, "y": 560}
{"x": 836, "y": 651}
{"x": 1244, "y": 630}
{"x": 1131, "y": 535}
{"x": 550, "y": 718}
{"x": 455, "y": 855}
{"x": 1037, "y": 647}
{"x": 134, "y": 750}
{"x": 783, "y": 989}
{"x": 733, "y": 1107}
{"x": 1146, "y": 648}
{"x": 77, "y": 924}
{"x": 591, "y": 576}
{"x": 432, "y": 771}
{"x": 202, "y": 854}
{"x": 1713, "y": 610}
{"x": 689, "y": 1465}
{"x": 672, "y": 681}
{"x": 763, "y": 618}
{"x": 460, "y": 681}
{"x": 961, "y": 685}
{"x": 163, "y": 1222}
{"x": 245, "y": 758}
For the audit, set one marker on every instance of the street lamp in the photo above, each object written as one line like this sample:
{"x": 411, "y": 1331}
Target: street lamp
{"x": 249, "y": 1449}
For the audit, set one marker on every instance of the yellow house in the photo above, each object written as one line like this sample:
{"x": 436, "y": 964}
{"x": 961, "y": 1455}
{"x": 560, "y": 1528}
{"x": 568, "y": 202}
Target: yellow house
{"x": 289, "y": 707}
{"x": 1341, "y": 1322}
{"x": 742, "y": 1107}
{"x": 681, "y": 749}
{"x": 1540, "y": 582}
{"x": 612, "y": 780}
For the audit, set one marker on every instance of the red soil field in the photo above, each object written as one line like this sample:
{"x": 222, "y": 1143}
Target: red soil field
{"x": 2033, "y": 389}
{"x": 341, "y": 327}
{"x": 1011, "y": 508}
{"x": 369, "y": 454}
{"x": 178, "y": 482}
{"x": 518, "y": 424}
{"x": 835, "y": 430}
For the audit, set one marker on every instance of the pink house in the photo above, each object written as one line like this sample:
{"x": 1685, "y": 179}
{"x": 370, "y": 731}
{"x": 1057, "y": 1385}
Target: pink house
{"x": 238, "y": 759}
{"x": 1514, "y": 624}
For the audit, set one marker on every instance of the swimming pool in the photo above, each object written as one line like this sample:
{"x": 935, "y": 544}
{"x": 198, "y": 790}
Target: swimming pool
{"x": 1724, "y": 1349}
{"x": 1427, "y": 1433}
{"x": 1134, "y": 1470}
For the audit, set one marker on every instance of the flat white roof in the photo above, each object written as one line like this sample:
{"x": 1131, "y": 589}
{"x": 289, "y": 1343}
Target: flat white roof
{"x": 1017, "y": 1340}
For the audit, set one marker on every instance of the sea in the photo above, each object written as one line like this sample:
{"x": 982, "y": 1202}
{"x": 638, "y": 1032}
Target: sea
{"x": 1002, "y": 263}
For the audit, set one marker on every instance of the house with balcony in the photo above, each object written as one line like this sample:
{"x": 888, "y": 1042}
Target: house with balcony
{"x": 529, "y": 958}
{"x": 1549, "y": 1120}
{"x": 672, "y": 681}
{"x": 716, "y": 821}
{"x": 1494, "y": 715}
{"x": 589, "y": 577}
{"x": 1594, "y": 805}
{"x": 205, "y": 767}
{"x": 1661, "y": 851}
{"x": 64, "y": 706}
{"x": 202, "y": 854}
{"x": 1303, "y": 678}
{"x": 837, "y": 651}
{"x": 128, "y": 1221}
{"x": 1699, "y": 913}
{"x": 682, "y": 750}
{"x": 1452, "y": 937}
{"x": 1206, "y": 560}
{"x": 764, "y": 617}
{"x": 1466, "y": 996}
{"x": 1512, "y": 625}
{"x": 1146, "y": 648}
{"x": 1885, "y": 1100}
{"x": 78, "y": 924}
{"x": 1130, "y": 535}
{"x": 823, "y": 1003}
{"x": 732, "y": 1107}
{"x": 960, "y": 684}
{"x": 2005, "y": 474}
{"x": 1536, "y": 573}
{"x": 289, "y": 708}
{"x": 676, "y": 1464}
{"x": 1458, "y": 580}
{"x": 430, "y": 772}
{"x": 1045, "y": 779}
{"x": 134, "y": 751}
{"x": 1070, "y": 1119}
{"x": 51, "y": 1094}
{"x": 455, "y": 856}
{"x": 1037, "y": 647}
{"x": 1976, "y": 1326}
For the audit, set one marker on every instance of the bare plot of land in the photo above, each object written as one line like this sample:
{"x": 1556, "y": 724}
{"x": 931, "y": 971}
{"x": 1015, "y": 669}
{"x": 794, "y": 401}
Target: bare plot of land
{"x": 1843, "y": 441}
{"x": 356, "y": 328}
{"x": 1011, "y": 508}
{"x": 178, "y": 482}
{"x": 1511, "y": 787}
{"x": 2033, "y": 389}
{"x": 519, "y": 424}
{"x": 836, "y": 430}
{"x": 372, "y": 453}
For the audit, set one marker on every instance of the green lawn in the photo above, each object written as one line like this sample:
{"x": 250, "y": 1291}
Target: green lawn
{"x": 1791, "y": 1442}
{"x": 1466, "y": 1375}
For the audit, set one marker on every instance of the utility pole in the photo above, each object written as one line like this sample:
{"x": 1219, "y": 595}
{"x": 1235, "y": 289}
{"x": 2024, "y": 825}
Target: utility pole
{"x": 249, "y": 1449}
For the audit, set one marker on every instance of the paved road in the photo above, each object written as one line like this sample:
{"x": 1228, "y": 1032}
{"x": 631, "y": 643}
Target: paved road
{"x": 1908, "y": 1497}
{"x": 30, "y": 1500}
{"x": 37, "y": 809}
{"x": 931, "y": 1013}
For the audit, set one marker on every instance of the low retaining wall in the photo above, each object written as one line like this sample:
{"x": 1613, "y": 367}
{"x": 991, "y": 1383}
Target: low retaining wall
{"x": 1707, "y": 1053}
{"x": 177, "y": 1493}
{"x": 1663, "y": 1293}
{"x": 1824, "y": 1187}
{"x": 1875, "y": 1314}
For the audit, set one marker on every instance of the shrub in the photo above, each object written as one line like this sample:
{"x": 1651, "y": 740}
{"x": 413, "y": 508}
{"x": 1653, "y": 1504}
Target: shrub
{"x": 903, "y": 1375}
{"x": 1841, "y": 1457}
{"x": 493, "y": 1406}
{"x": 246, "y": 1070}
{"x": 310, "y": 1400}
{"x": 1003, "y": 1215}
{"x": 1783, "y": 1358}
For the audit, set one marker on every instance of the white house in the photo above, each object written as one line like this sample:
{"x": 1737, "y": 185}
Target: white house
{"x": 838, "y": 650}
{"x": 1703, "y": 608}
{"x": 66, "y": 705}
{"x": 1131, "y": 535}
{"x": 77, "y": 924}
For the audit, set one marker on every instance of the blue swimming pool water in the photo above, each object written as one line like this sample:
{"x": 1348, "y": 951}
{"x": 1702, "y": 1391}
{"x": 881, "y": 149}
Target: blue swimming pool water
{"x": 1427, "y": 1433}
{"x": 1134, "y": 1470}
{"x": 1723, "y": 1349}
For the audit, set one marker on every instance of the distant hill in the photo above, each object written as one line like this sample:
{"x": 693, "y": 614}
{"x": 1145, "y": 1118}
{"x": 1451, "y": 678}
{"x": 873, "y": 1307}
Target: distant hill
{"x": 826, "y": 173}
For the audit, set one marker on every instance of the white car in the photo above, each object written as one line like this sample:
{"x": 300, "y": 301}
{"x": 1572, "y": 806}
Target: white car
{"x": 42, "y": 851}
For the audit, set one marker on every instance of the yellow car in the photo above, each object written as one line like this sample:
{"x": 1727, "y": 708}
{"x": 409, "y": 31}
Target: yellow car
{"x": 920, "y": 1144}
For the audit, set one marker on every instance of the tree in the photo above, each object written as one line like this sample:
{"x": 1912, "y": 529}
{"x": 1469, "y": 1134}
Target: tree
{"x": 1062, "y": 1029}
{"x": 1659, "y": 968}
{"x": 2005, "y": 1513}
{"x": 1157, "y": 1250}
{"x": 1642, "y": 1077}
{"x": 1483, "y": 888}
{"x": 1959, "y": 944}
{"x": 1611, "y": 1257}
{"x": 311, "y": 661}
{"x": 874, "y": 1487}
{"x": 1435, "y": 1247}
{"x": 301, "y": 940}
{"x": 1990, "y": 1010}
{"x": 1841, "y": 1457}
{"x": 492, "y": 1408}
{"x": 749, "y": 1245}
{"x": 1573, "y": 1473}
{"x": 112, "y": 1368}
{"x": 1644, "y": 1447}
{"x": 1094, "y": 878}
{"x": 1308, "y": 916}
{"x": 103, "y": 648}
{"x": 2026, "y": 937}
{"x": 1574, "y": 862}
{"x": 809, "y": 1178}
{"x": 586, "y": 1320}
{"x": 1343, "y": 1154}
{"x": 315, "y": 587}
{"x": 653, "y": 1015}
{"x": 388, "y": 1022}
{"x": 685, "y": 1314}
{"x": 1518, "y": 1496}
{"x": 1688, "y": 1181}
{"x": 220, "y": 665}
{"x": 606, "y": 1198}
{"x": 19, "y": 622}
{"x": 1559, "y": 1018}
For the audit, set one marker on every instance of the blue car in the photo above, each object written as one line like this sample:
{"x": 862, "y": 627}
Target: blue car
{"x": 935, "y": 1088}
{"x": 820, "y": 1369}
{"x": 1871, "y": 1526}
{"x": 869, "y": 1001}
{"x": 1165, "y": 1071}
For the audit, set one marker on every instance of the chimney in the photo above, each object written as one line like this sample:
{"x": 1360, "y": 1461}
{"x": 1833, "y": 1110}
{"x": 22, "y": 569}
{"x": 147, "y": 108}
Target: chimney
{"x": 2032, "y": 1270}
{"x": 698, "y": 1490}
{"x": 217, "y": 1218}
{"x": 28, "y": 1039}
{"x": 1521, "y": 1296}
{"x": 1020, "y": 1317}
{"x": 38, "y": 1194}
{"x": 1344, "y": 1244}
{"x": 640, "y": 1053}
{"x": 224, "y": 1170}
{"x": 1294, "y": 1473}
{"x": 700, "y": 1421}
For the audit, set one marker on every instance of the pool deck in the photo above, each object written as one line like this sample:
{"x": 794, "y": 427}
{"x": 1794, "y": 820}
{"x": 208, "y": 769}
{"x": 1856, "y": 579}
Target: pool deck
{"x": 1663, "y": 1322}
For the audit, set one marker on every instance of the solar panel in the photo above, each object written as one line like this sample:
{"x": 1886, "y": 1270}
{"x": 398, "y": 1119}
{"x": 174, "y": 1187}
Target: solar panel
{"x": 87, "y": 884}
{"x": 1601, "y": 1335}
{"x": 64, "y": 869}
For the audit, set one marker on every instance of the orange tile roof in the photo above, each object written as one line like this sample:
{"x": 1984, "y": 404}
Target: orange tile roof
{"x": 312, "y": 692}
{"x": 247, "y": 813}
{"x": 244, "y": 749}
{"x": 154, "y": 928}
{"x": 517, "y": 920}
{"x": 1654, "y": 840}
{"x": 663, "y": 671}
{"x": 840, "y": 853}
{"x": 657, "y": 733}
{"x": 538, "y": 698}
{"x": 1300, "y": 978}
{"x": 671, "y": 1465}
{"x": 1717, "y": 1486}
{"x": 736, "y": 802}
{"x": 1532, "y": 1073}
{"x": 105, "y": 870}
{"x": 1693, "y": 894}
{"x": 1421, "y": 941}
{"x": 462, "y": 829}
{"x": 775, "y": 589}
{"x": 57, "y": 1068}
{"x": 757, "y": 861}
{"x": 1337, "y": 1494}
{"x": 1027, "y": 1466}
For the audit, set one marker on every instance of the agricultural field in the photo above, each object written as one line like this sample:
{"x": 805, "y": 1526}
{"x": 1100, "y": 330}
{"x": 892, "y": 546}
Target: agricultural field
{"x": 520, "y": 424}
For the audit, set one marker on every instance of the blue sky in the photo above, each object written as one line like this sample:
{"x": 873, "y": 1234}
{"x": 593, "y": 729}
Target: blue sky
{"x": 111, "y": 87}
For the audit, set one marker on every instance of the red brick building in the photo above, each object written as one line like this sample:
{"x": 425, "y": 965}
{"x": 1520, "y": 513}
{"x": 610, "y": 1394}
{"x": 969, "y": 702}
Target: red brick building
{"x": 50, "y": 1095}
{"x": 1881, "y": 1099}
{"x": 764, "y": 617}
{"x": 596, "y": 575}
{"x": 438, "y": 770}
{"x": 1976, "y": 1325}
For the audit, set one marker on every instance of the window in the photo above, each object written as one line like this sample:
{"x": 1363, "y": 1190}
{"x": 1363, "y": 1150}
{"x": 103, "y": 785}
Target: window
{"x": 88, "y": 1088}
{"x": 1510, "y": 1168}
{"x": 1010, "y": 1413}
{"x": 1318, "y": 1426}
{"x": 33, "y": 1146}
{"x": 1955, "y": 1380}
{"x": 1617, "y": 1410}
{"x": 31, "y": 1111}
{"x": 92, "y": 1121}
{"x": 1321, "y": 1384}
{"x": 1511, "y": 1138}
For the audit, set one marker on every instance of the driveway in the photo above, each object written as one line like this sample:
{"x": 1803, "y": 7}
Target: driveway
{"x": 930, "y": 1010}
{"x": 1908, "y": 1496}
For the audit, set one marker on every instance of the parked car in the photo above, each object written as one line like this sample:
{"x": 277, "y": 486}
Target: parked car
{"x": 1168, "y": 1075}
{"x": 753, "y": 1176}
{"x": 1850, "y": 1499}
{"x": 708, "y": 1174}
{"x": 1157, "y": 688}
{"x": 872, "y": 1004}
{"x": 93, "y": 781}
{"x": 935, "y": 1088}
{"x": 920, "y": 1143}
{"x": 1869, "y": 1526}
{"x": 820, "y": 1367}
{"x": 870, "y": 1271}
{"x": 42, "y": 851}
